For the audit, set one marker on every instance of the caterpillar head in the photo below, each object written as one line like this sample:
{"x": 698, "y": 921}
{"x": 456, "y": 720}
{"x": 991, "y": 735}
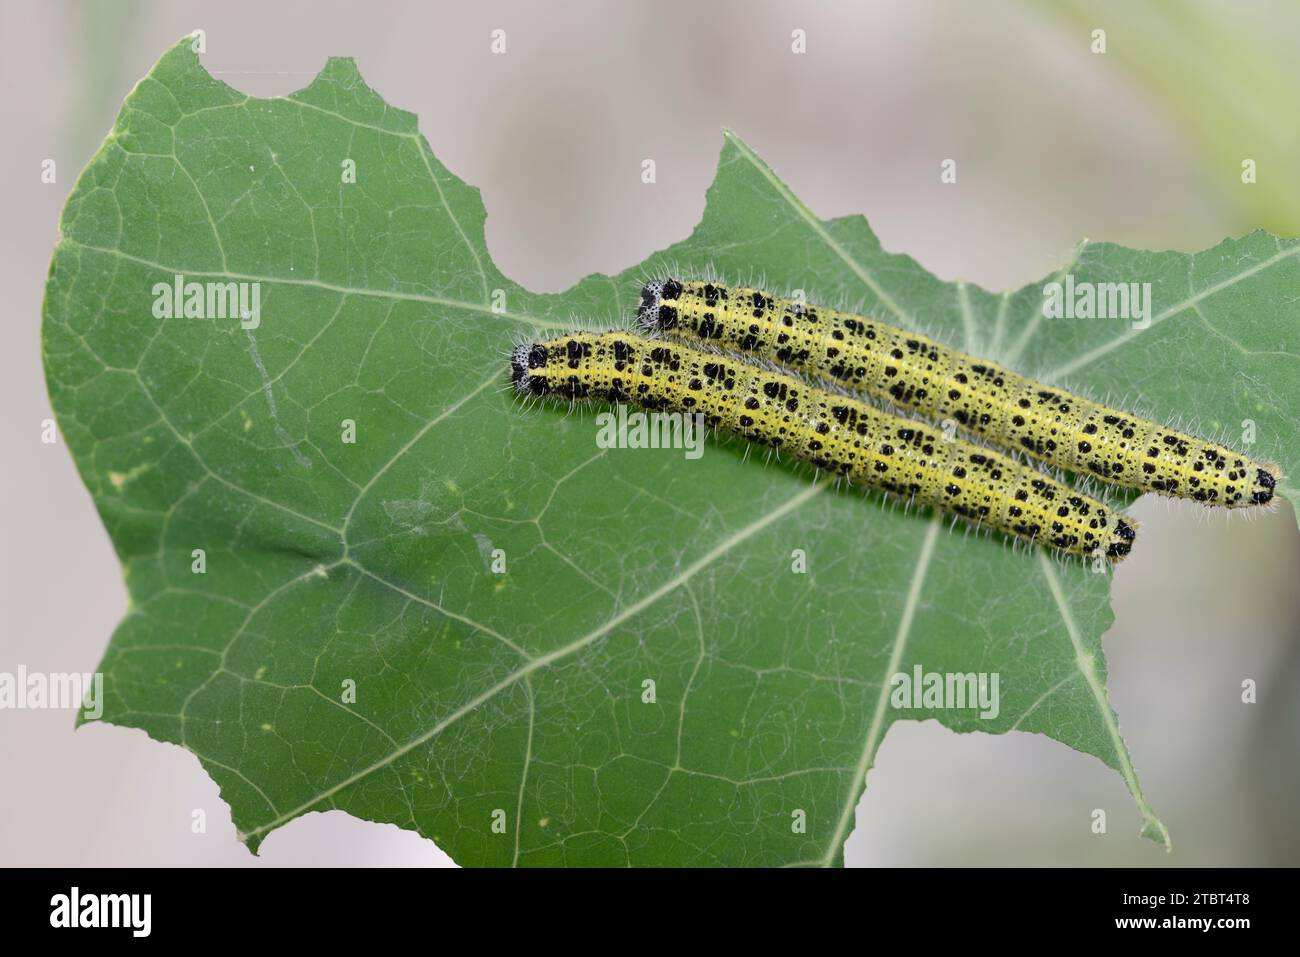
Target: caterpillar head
{"x": 656, "y": 313}
{"x": 548, "y": 368}
{"x": 525, "y": 359}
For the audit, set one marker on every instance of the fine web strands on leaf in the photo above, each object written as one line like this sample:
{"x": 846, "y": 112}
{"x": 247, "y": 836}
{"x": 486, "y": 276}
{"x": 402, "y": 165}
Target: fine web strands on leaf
{"x": 919, "y": 374}
{"x": 832, "y": 431}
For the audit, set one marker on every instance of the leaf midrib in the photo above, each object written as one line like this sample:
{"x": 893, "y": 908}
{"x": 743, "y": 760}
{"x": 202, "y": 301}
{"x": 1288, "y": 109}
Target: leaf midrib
{"x": 483, "y": 308}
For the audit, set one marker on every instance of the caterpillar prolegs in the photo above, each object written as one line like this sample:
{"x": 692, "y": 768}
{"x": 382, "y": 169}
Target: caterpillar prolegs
{"x": 985, "y": 399}
{"x": 836, "y": 433}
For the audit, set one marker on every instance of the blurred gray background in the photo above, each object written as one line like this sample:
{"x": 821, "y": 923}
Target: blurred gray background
{"x": 1140, "y": 146}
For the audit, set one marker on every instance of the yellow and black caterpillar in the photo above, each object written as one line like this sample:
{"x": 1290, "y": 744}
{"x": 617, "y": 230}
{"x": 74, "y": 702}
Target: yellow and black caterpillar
{"x": 836, "y": 433}
{"x": 985, "y": 399}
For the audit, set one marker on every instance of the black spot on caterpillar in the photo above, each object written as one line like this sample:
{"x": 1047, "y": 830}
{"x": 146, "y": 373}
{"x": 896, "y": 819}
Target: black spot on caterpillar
{"x": 917, "y": 373}
{"x": 834, "y": 432}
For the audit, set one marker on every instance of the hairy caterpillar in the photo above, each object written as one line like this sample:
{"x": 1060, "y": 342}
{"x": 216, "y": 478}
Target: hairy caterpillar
{"x": 987, "y": 400}
{"x": 840, "y": 434}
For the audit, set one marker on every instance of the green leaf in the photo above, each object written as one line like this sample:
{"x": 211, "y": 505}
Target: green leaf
{"x": 518, "y": 697}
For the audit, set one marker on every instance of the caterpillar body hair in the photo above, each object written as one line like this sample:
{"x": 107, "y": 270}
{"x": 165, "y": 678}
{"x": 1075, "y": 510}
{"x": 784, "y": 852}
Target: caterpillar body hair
{"x": 835, "y": 432}
{"x": 920, "y": 374}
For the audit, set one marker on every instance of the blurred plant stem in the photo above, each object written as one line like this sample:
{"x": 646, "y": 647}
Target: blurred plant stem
{"x": 101, "y": 28}
{"x": 1229, "y": 82}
